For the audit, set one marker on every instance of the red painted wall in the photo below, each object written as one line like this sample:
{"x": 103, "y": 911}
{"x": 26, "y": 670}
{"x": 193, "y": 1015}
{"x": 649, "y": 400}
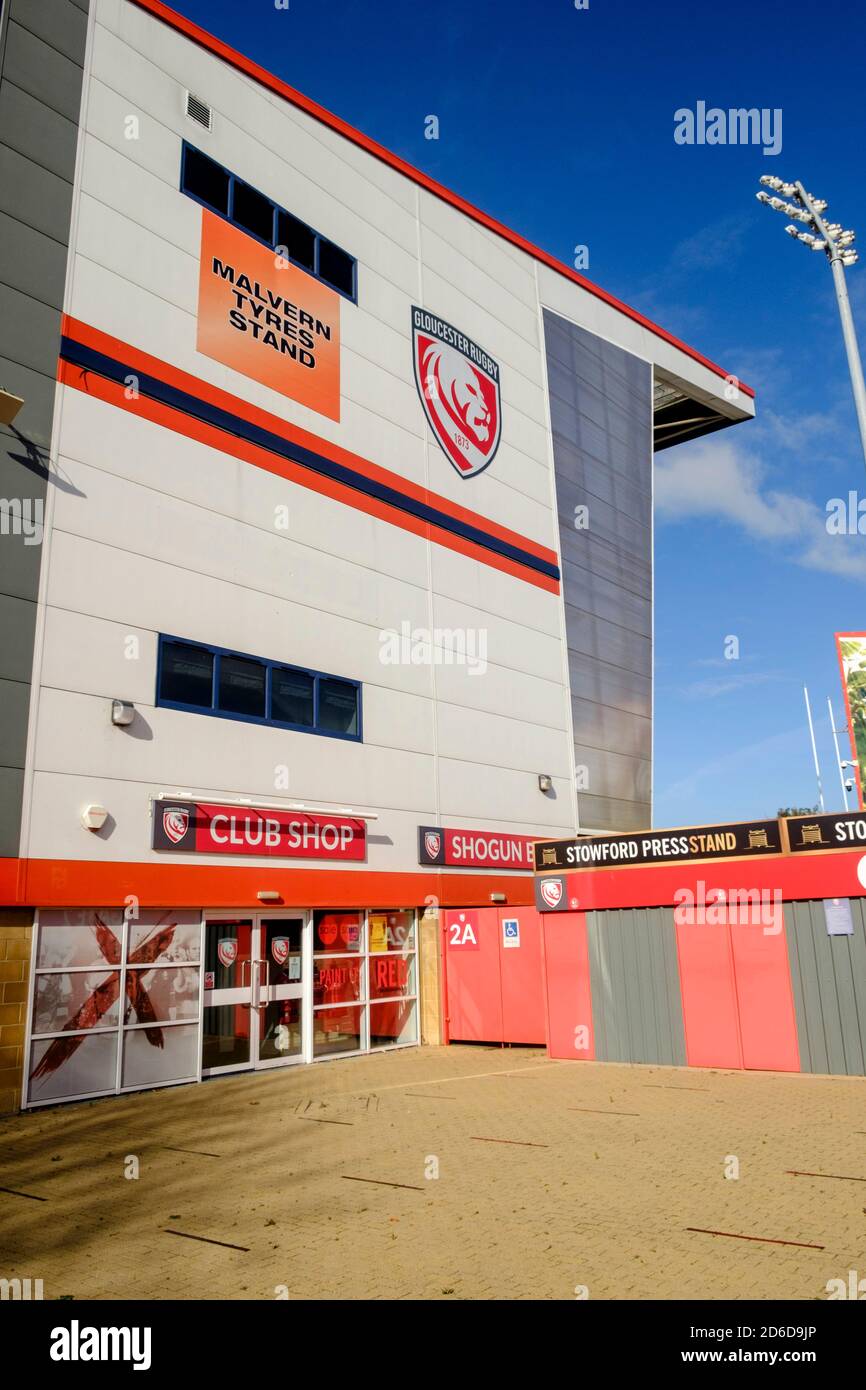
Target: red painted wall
{"x": 567, "y": 993}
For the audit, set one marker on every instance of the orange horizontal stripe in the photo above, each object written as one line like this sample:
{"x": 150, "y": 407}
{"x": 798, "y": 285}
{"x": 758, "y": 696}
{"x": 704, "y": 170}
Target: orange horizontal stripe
{"x": 49, "y": 883}
{"x": 180, "y": 423}
{"x": 95, "y": 338}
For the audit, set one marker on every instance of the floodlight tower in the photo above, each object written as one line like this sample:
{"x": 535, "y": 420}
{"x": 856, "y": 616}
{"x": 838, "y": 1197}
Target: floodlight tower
{"x": 838, "y": 246}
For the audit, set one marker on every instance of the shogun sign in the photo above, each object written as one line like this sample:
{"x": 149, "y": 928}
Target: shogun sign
{"x": 203, "y": 828}
{"x": 473, "y": 849}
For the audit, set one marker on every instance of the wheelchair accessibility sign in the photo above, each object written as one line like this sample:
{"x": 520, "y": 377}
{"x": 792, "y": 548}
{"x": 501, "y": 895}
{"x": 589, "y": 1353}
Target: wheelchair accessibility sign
{"x": 510, "y": 931}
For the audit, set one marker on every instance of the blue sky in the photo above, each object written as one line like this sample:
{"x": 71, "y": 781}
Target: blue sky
{"x": 560, "y": 123}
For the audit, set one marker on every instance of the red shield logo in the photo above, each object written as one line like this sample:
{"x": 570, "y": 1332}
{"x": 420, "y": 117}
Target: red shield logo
{"x": 175, "y": 823}
{"x": 227, "y": 950}
{"x": 280, "y": 949}
{"x": 432, "y": 843}
{"x": 551, "y": 891}
{"x": 458, "y": 383}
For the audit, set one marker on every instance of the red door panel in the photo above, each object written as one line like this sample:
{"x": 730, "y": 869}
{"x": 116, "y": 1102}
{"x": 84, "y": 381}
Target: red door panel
{"x": 522, "y": 980}
{"x": 568, "y": 992}
{"x": 709, "y": 996}
{"x": 768, "y": 1024}
{"x": 474, "y": 997}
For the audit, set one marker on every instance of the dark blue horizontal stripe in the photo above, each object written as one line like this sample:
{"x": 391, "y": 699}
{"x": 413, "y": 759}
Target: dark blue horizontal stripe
{"x": 91, "y": 360}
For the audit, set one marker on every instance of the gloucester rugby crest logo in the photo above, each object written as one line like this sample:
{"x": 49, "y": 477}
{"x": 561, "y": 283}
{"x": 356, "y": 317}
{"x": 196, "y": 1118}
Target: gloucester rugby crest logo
{"x": 227, "y": 951}
{"x": 175, "y": 823}
{"x": 458, "y": 383}
{"x": 551, "y": 891}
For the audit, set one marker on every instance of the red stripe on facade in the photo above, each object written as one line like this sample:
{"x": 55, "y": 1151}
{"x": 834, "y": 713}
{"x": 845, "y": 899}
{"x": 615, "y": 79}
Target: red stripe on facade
{"x": 95, "y": 338}
{"x": 81, "y": 883}
{"x": 266, "y": 79}
{"x": 112, "y": 393}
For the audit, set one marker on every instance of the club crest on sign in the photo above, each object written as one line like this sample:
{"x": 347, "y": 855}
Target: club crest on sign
{"x": 175, "y": 822}
{"x": 227, "y": 950}
{"x": 280, "y": 949}
{"x": 432, "y": 843}
{"x": 458, "y": 383}
{"x": 551, "y": 891}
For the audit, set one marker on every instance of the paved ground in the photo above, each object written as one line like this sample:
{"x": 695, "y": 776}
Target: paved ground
{"x": 551, "y": 1175}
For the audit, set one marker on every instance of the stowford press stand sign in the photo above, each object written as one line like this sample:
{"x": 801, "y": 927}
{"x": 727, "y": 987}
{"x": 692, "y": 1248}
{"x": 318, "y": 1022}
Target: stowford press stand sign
{"x": 205, "y": 828}
{"x": 746, "y": 839}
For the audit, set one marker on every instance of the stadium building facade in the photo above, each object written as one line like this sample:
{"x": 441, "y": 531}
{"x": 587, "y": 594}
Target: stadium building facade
{"x": 326, "y": 561}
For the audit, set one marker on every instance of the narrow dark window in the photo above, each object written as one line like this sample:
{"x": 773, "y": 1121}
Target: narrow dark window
{"x": 292, "y": 697}
{"x": 252, "y": 211}
{"x": 336, "y": 267}
{"x": 298, "y": 239}
{"x": 205, "y": 180}
{"x": 186, "y": 675}
{"x": 241, "y": 686}
{"x": 338, "y": 706}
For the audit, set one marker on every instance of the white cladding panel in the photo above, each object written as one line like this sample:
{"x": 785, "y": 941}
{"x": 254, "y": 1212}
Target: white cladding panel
{"x": 152, "y": 532}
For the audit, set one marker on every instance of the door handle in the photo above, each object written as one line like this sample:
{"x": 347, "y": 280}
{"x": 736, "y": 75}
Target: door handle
{"x": 248, "y": 1004}
{"x": 266, "y": 963}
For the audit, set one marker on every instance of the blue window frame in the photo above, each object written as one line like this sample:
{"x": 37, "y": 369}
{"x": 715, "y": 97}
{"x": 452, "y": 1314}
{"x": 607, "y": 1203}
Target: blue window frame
{"x": 217, "y": 188}
{"x": 201, "y": 679}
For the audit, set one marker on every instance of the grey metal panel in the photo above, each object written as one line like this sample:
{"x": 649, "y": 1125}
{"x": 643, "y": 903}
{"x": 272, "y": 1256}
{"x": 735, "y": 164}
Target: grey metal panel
{"x": 31, "y": 262}
{"x": 34, "y": 195}
{"x": 636, "y": 1000}
{"x": 42, "y": 45}
{"x": 62, "y": 26}
{"x": 14, "y": 700}
{"x": 43, "y": 71}
{"x": 29, "y": 330}
{"x": 26, "y": 440}
{"x": 598, "y": 812}
{"x": 36, "y": 131}
{"x": 829, "y": 980}
{"x": 611, "y": 774}
{"x": 11, "y": 789}
{"x": 17, "y": 618}
{"x": 600, "y": 401}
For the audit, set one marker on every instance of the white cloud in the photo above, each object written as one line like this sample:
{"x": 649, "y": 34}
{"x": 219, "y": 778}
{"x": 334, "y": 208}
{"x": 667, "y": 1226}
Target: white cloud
{"x": 718, "y": 479}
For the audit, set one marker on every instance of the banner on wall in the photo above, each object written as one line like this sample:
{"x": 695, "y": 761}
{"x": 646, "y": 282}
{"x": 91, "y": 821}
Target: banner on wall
{"x": 745, "y": 839}
{"x": 474, "y": 849}
{"x": 851, "y": 647}
{"x": 205, "y": 828}
{"x": 267, "y": 318}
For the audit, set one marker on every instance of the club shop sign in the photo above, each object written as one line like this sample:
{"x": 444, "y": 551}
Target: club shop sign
{"x": 747, "y": 839}
{"x": 473, "y": 849}
{"x": 205, "y": 828}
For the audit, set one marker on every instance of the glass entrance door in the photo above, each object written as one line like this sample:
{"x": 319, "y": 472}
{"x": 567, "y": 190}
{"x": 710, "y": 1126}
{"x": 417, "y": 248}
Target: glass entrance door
{"x": 279, "y": 980}
{"x": 256, "y": 973}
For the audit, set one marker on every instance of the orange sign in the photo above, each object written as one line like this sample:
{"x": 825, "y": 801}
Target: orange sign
{"x": 277, "y": 325}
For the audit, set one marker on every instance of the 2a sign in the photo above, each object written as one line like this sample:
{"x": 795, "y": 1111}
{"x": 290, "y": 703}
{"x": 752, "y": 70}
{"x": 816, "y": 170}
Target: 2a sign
{"x": 461, "y": 932}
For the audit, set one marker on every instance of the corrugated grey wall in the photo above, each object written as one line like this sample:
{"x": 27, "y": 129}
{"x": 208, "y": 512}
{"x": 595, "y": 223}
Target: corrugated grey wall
{"x": 601, "y": 418}
{"x": 42, "y": 45}
{"x": 637, "y": 1010}
{"x": 829, "y": 978}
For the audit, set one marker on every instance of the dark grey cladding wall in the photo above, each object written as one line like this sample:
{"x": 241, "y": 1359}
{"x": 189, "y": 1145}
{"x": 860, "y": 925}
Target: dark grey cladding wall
{"x": 828, "y": 974}
{"x": 637, "y": 1011}
{"x": 601, "y": 416}
{"x": 42, "y": 45}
